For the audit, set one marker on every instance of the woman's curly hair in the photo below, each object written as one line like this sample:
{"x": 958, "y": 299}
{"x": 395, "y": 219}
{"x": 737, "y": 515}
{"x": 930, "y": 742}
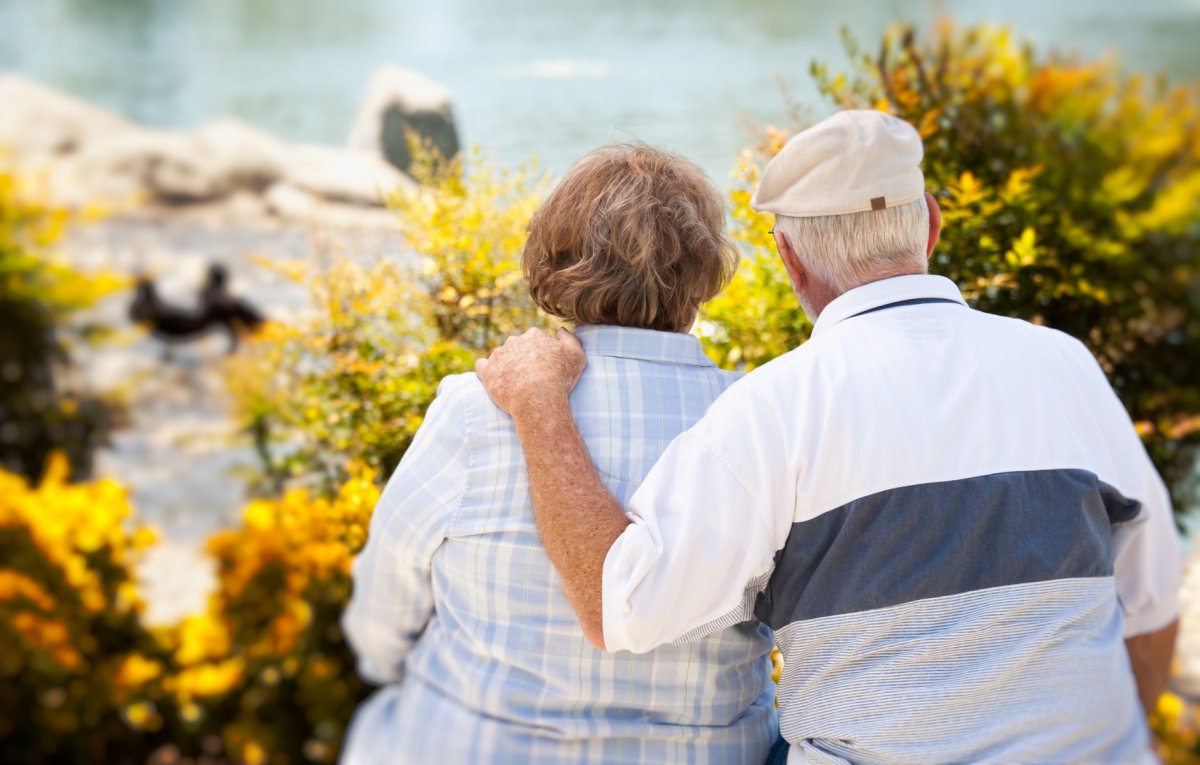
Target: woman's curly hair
{"x": 631, "y": 236}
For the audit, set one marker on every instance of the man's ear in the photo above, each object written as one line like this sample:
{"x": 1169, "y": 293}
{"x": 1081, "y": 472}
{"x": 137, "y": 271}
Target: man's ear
{"x": 935, "y": 224}
{"x": 791, "y": 262}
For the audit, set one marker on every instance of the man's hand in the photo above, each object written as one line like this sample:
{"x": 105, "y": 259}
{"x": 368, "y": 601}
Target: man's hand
{"x": 531, "y": 370}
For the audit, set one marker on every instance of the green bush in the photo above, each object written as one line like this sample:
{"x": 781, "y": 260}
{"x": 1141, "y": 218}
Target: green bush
{"x": 1071, "y": 197}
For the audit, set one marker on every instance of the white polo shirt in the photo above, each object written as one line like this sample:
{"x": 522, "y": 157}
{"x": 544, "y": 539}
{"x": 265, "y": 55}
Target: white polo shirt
{"x": 946, "y": 517}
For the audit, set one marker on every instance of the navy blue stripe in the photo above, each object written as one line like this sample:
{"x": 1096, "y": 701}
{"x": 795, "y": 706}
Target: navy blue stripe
{"x": 947, "y": 538}
{"x": 902, "y": 303}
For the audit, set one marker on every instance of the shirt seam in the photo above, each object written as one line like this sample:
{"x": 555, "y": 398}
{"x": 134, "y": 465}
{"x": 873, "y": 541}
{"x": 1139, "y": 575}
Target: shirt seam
{"x": 754, "y": 498}
{"x": 687, "y": 353}
{"x": 702, "y": 363}
{"x": 462, "y": 402}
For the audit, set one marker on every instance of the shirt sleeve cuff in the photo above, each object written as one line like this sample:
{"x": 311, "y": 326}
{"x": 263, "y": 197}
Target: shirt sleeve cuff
{"x": 620, "y": 624}
{"x": 1151, "y": 620}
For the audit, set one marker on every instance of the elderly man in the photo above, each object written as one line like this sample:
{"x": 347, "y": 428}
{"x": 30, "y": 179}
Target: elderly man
{"x": 946, "y": 516}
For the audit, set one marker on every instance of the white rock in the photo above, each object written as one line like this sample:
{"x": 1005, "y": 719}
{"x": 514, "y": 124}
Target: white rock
{"x": 287, "y": 201}
{"x": 344, "y": 175}
{"x": 399, "y": 100}
{"x": 244, "y": 156}
{"x": 36, "y": 120}
{"x": 156, "y": 164}
{"x": 174, "y": 167}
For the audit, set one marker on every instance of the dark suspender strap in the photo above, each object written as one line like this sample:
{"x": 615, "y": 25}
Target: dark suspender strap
{"x": 901, "y": 303}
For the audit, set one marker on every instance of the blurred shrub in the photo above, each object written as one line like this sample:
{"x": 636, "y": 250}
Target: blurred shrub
{"x": 267, "y": 666}
{"x": 36, "y": 295}
{"x": 263, "y": 675}
{"x": 1174, "y": 724}
{"x": 1071, "y": 197}
{"x": 351, "y": 381}
{"x": 80, "y": 678}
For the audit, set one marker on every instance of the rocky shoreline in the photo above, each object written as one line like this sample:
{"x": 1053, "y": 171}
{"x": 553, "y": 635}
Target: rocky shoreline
{"x": 173, "y": 203}
{"x": 88, "y": 155}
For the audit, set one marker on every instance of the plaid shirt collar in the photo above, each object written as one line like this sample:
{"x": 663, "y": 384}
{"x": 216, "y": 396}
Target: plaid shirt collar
{"x": 642, "y": 344}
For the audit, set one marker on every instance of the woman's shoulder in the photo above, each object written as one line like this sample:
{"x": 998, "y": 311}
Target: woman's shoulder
{"x": 465, "y": 394}
{"x": 460, "y": 386}
{"x": 728, "y": 377}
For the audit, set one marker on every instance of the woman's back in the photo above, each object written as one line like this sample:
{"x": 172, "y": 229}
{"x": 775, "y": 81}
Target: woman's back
{"x": 503, "y": 667}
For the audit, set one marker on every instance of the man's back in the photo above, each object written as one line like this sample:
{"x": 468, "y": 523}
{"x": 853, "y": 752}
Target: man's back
{"x": 946, "y": 492}
{"x": 956, "y": 597}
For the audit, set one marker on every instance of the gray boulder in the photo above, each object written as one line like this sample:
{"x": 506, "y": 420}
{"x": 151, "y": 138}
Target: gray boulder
{"x": 36, "y": 121}
{"x": 399, "y": 100}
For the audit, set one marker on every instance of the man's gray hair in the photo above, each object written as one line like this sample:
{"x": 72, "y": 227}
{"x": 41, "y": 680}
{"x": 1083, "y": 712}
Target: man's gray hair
{"x": 846, "y": 251}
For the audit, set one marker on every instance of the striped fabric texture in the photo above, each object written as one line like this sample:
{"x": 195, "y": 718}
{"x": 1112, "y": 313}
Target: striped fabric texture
{"x": 946, "y": 517}
{"x": 458, "y": 613}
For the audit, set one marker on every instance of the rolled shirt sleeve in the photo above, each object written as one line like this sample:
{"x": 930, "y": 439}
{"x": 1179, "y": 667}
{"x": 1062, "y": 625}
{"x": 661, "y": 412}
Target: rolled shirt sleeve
{"x": 702, "y": 533}
{"x": 1148, "y": 566}
{"x": 392, "y": 597}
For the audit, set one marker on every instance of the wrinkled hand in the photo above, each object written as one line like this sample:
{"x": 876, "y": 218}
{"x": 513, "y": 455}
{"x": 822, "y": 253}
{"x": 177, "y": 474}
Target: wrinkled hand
{"x": 532, "y": 371}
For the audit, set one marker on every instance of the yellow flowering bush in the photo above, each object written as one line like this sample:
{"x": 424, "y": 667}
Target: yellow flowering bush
{"x": 80, "y": 677}
{"x": 267, "y": 666}
{"x": 466, "y": 223}
{"x": 263, "y": 675}
{"x": 1174, "y": 724}
{"x": 351, "y": 382}
{"x": 36, "y": 295}
{"x": 1070, "y": 195}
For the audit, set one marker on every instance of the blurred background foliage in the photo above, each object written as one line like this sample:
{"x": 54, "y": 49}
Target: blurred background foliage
{"x": 37, "y": 297}
{"x": 80, "y": 677}
{"x": 1070, "y": 195}
{"x": 271, "y": 638}
{"x": 351, "y": 382}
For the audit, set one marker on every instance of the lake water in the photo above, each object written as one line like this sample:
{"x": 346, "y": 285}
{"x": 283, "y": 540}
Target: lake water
{"x": 551, "y": 78}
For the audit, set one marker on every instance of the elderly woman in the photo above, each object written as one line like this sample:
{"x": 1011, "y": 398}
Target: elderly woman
{"x": 456, "y": 609}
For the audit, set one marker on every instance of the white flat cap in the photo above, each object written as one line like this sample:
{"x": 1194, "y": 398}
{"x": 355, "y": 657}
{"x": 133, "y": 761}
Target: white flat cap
{"x": 854, "y": 161}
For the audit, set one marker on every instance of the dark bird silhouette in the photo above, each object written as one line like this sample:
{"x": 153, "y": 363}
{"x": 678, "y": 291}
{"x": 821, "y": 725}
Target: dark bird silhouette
{"x": 218, "y": 309}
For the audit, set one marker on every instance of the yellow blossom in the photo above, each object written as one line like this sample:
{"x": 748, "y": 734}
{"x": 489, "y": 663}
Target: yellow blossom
{"x": 137, "y": 670}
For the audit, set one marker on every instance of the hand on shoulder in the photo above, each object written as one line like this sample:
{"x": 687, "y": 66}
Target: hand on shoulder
{"x": 532, "y": 371}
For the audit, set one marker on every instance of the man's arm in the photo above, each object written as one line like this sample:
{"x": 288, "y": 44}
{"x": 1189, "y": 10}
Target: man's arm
{"x": 1150, "y": 656}
{"x": 697, "y": 543}
{"x": 578, "y": 517}
{"x": 1148, "y": 565}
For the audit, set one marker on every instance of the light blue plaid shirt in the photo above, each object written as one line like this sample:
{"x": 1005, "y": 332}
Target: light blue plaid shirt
{"x": 458, "y": 612}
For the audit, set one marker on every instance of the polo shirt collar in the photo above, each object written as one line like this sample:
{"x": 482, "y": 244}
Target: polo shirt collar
{"x": 642, "y": 344}
{"x": 883, "y": 292}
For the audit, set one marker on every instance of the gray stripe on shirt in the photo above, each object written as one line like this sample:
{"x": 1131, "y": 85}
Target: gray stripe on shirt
{"x": 946, "y": 538}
